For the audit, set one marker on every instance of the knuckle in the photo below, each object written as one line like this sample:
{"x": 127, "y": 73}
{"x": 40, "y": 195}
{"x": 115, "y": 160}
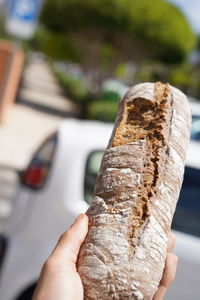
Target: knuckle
{"x": 50, "y": 266}
{"x": 173, "y": 238}
{"x": 171, "y": 241}
{"x": 173, "y": 258}
{"x": 61, "y": 238}
{"x": 171, "y": 268}
{"x": 172, "y": 277}
{"x": 65, "y": 235}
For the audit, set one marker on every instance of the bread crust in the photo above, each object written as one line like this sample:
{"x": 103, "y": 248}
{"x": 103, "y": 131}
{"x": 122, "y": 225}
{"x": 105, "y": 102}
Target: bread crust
{"x": 135, "y": 196}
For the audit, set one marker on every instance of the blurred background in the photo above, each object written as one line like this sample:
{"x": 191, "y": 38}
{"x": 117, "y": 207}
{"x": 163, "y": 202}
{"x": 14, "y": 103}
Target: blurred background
{"x": 63, "y": 62}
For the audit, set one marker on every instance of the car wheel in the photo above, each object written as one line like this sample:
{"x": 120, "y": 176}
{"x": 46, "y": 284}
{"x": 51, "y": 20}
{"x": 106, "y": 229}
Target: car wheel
{"x": 28, "y": 293}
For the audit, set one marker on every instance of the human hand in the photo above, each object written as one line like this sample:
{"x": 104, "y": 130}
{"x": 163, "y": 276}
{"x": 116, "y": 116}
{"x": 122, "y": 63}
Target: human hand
{"x": 169, "y": 270}
{"x": 59, "y": 278}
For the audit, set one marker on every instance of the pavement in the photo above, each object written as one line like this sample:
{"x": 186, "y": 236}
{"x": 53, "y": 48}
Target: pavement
{"x": 41, "y": 91}
{"x": 8, "y": 184}
{"x": 40, "y": 108}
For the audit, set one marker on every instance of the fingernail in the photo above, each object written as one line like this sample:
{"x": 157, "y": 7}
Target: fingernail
{"x": 176, "y": 259}
{"x": 82, "y": 217}
{"x": 173, "y": 235}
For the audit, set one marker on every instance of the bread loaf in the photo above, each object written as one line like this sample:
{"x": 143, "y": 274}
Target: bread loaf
{"x": 135, "y": 196}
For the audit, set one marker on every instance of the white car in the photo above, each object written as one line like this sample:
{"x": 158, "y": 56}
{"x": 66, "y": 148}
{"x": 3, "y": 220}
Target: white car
{"x": 57, "y": 186}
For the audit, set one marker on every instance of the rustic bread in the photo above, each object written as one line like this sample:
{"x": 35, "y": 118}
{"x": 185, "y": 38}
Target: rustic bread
{"x": 135, "y": 196}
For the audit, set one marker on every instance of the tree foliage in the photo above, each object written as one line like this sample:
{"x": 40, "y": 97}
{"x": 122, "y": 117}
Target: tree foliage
{"x": 105, "y": 33}
{"x": 154, "y": 21}
{"x": 184, "y": 76}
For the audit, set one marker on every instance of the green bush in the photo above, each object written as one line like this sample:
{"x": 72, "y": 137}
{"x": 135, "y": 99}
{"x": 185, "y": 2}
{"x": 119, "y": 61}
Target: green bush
{"x": 110, "y": 96}
{"x": 75, "y": 88}
{"x": 102, "y": 110}
{"x": 150, "y": 71}
{"x": 184, "y": 77}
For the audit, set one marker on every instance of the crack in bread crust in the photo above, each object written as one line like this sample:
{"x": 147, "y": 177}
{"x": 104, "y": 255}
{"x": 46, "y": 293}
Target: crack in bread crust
{"x": 146, "y": 120}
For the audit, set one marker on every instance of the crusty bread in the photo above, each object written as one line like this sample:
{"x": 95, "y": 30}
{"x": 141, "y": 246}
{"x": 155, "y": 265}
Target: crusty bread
{"x": 135, "y": 196}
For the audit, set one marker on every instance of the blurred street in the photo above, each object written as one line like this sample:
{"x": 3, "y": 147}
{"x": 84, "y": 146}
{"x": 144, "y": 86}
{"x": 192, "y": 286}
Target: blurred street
{"x": 38, "y": 112}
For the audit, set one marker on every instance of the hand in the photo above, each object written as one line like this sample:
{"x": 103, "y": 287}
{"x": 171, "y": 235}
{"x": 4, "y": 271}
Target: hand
{"x": 169, "y": 270}
{"x": 59, "y": 278}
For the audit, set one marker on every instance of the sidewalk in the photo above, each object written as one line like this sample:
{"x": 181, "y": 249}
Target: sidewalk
{"x": 40, "y": 109}
{"x": 41, "y": 91}
{"x": 8, "y": 184}
{"x": 38, "y": 113}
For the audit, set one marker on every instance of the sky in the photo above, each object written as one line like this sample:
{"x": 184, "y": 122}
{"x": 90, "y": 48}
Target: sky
{"x": 191, "y": 9}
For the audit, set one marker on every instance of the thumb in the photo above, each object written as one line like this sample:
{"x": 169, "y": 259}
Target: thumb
{"x": 69, "y": 243}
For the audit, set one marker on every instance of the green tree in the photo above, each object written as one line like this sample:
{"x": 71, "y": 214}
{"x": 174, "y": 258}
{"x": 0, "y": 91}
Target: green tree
{"x": 104, "y": 33}
{"x": 184, "y": 77}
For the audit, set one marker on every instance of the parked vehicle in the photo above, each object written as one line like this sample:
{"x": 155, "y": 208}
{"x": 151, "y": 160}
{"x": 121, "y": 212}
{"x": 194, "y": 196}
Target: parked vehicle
{"x": 58, "y": 185}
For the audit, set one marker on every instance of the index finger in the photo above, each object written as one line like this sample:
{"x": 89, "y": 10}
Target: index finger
{"x": 168, "y": 276}
{"x": 171, "y": 242}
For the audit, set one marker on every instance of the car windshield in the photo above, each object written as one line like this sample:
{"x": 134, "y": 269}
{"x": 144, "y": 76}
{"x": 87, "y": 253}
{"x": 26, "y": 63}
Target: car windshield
{"x": 187, "y": 215}
{"x": 195, "y": 130}
{"x": 92, "y": 168}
